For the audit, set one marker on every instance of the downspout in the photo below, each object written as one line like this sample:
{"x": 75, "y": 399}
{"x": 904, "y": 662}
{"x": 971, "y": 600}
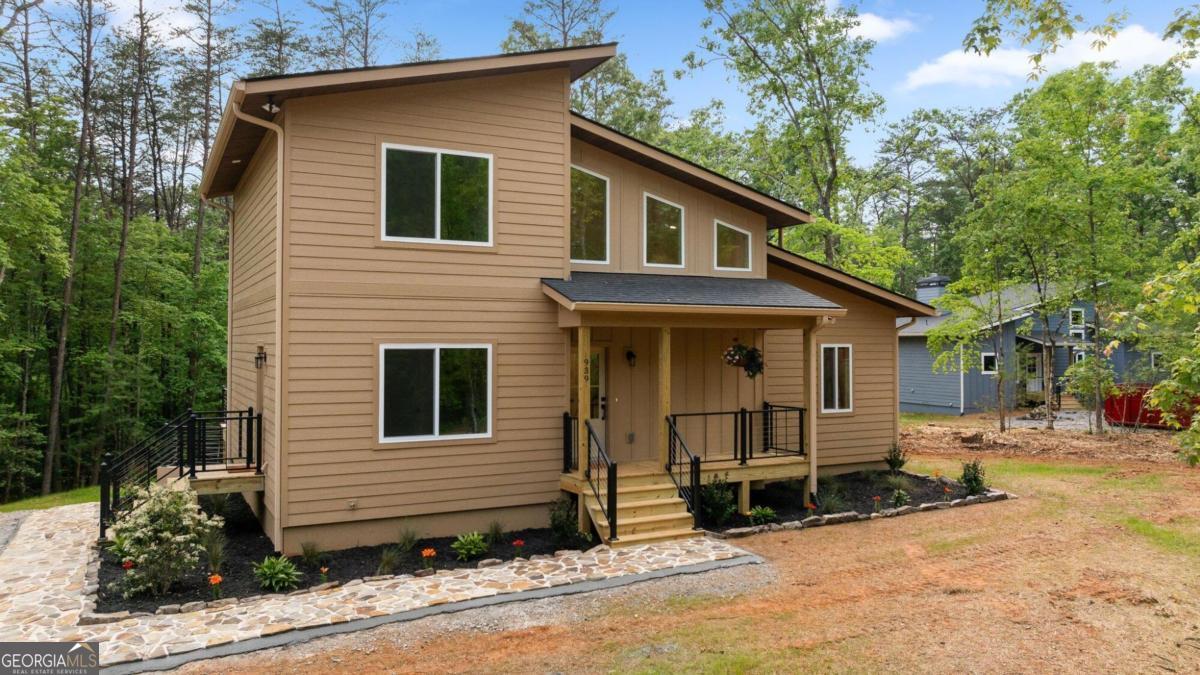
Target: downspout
{"x": 280, "y": 426}
{"x": 896, "y": 415}
{"x": 228, "y": 299}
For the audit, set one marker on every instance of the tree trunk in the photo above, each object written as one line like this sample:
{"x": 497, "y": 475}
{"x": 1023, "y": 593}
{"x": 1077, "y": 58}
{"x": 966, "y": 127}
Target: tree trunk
{"x": 53, "y": 435}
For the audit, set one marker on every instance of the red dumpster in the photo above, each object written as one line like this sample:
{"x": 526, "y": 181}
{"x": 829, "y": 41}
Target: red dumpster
{"x": 1128, "y": 408}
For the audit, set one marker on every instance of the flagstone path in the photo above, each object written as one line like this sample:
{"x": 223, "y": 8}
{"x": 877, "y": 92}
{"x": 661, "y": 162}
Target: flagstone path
{"x": 47, "y": 584}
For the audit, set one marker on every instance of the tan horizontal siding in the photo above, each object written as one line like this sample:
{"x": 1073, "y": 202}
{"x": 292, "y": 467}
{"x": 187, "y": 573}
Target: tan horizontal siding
{"x": 253, "y": 307}
{"x": 347, "y": 292}
{"x": 866, "y": 433}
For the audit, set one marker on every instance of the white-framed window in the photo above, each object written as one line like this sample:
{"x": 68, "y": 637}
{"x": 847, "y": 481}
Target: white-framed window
{"x": 731, "y": 247}
{"x": 1156, "y": 360}
{"x": 662, "y": 232}
{"x": 837, "y": 378}
{"x": 589, "y": 216}
{"x": 1078, "y": 320}
{"x": 435, "y": 195}
{"x": 987, "y": 363}
{"x": 1078, "y": 357}
{"x": 434, "y": 392}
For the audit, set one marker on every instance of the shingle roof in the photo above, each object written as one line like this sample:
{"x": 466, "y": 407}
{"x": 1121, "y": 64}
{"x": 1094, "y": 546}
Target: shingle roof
{"x": 1017, "y": 302}
{"x": 676, "y": 289}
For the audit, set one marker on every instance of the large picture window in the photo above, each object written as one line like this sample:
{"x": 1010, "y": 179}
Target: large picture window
{"x": 436, "y": 195}
{"x": 589, "y": 216}
{"x": 430, "y": 392}
{"x": 837, "y": 375}
{"x": 731, "y": 246}
{"x": 662, "y": 232}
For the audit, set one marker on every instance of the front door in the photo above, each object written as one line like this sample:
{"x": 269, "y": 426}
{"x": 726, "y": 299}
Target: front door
{"x": 1033, "y": 373}
{"x": 598, "y": 383}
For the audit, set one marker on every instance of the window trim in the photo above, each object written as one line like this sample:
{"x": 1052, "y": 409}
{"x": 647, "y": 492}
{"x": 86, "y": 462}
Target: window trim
{"x": 437, "y": 385}
{"x": 437, "y": 195}
{"x": 682, "y": 233}
{"x": 1078, "y": 356}
{"x": 1155, "y": 357}
{"x": 837, "y": 388}
{"x": 1071, "y": 317}
{"x": 717, "y": 225}
{"x": 607, "y": 220}
{"x": 983, "y": 360}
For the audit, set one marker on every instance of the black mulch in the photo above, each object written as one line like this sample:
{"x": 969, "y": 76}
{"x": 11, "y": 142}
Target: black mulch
{"x": 246, "y": 544}
{"x": 857, "y": 490}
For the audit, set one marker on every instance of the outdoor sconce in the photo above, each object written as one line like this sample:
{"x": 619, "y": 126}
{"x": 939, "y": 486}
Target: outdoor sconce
{"x": 631, "y": 357}
{"x": 260, "y": 359}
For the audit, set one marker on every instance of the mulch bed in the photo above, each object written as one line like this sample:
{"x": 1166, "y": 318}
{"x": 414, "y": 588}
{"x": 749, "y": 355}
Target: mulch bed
{"x": 858, "y": 491}
{"x": 246, "y": 544}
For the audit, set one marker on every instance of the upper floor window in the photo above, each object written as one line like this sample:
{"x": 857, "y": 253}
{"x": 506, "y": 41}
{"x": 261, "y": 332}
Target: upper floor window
{"x": 988, "y": 363}
{"x": 1078, "y": 321}
{"x": 837, "y": 375}
{"x": 437, "y": 195}
{"x": 589, "y": 216}
{"x": 731, "y": 247}
{"x": 430, "y": 391}
{"x": 662, "y": 232}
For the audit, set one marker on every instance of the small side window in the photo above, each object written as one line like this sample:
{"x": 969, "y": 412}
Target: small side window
{"x": 987, "y": 363}
{"x": 837, "y": 378}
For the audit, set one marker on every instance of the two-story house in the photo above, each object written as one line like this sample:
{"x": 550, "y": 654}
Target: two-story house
{"x": 452, "y": 299}
{"x": 1017, "y": 346}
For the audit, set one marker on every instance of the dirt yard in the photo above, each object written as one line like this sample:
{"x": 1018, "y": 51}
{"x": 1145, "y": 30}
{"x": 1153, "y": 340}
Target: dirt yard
{"x": 1093, "y": 568}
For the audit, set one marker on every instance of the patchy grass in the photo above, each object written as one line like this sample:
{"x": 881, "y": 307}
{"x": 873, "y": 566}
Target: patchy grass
{"x": 917, "y": 419}
{"x": 1171, "y": 539}
{"x": 952, "y": 544}
{"x": 76, "y": 496}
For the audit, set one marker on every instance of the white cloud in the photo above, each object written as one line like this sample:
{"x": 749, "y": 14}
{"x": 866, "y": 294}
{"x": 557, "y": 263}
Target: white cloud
{"x": 881, "y": 29}
{"x": 1132, "y": 48}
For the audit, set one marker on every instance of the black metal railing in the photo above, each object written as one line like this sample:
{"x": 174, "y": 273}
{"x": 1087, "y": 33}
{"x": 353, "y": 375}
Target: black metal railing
{"x": 684, "y": 469}
{"x": 743, "y": 435}
{"x": 570, "y": 447}
{"x": 601, "y": 474}
{"x": 194, "y": 441}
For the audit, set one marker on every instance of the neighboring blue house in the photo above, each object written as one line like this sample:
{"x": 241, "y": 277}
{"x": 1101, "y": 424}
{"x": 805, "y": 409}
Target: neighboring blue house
{"x": 973, "y": 388}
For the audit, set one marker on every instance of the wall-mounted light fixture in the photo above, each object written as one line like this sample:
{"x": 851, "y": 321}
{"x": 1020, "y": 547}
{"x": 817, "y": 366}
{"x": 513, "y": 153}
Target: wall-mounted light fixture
{"x": 270, "y": 106}
{"x": 260, "y": 359}
{"x": 630, "y": 356}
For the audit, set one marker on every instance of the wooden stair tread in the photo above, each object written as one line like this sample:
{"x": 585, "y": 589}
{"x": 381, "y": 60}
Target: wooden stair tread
{"x": 658, "y": 535}
{"x": 598, "y": 516}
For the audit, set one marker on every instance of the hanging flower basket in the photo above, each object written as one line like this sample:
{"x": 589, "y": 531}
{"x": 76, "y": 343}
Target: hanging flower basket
{"x": 745, "y": 357}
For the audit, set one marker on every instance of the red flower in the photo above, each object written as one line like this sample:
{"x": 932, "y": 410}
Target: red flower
{"x": 518, "y": 543}
{"x": 876, "y": 497}
{"x": 127, "y": 565}
{"x": 810, "y": 506}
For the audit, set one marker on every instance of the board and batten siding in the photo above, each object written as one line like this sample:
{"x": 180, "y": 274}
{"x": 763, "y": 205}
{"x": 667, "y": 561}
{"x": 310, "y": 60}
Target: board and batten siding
{"x": 922, "y": 389}
{"x": 627, "y": 184}
{"x": 348, "y": 292}
{"x": 253, "y": 270}
{"x": 865, "y": 434}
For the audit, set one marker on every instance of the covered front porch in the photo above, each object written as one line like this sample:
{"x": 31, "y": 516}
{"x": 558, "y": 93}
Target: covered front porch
{"x": 654, "y": 411}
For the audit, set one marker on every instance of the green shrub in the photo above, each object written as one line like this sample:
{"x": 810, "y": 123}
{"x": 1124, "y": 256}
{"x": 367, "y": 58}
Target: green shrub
{"x": 407, "y": 541}
{"x": 831, "y": 497}
{"x": 162, "y": 539}
{"x": 470, "y": 545}
{"x": 896, "y": 458}
{"x": 761, "y": 515}
{"x": 213, "y": 542}
{"x": 495, "y": 533}
{"x": 564, "y": 523}
{"x": 310, "y": 553}
{"x": 973, "y": 478}
{"x": 217, "y": 504}
{"x": 900, "y": 498}
{"x": 277, "y": 574}
{"x": 718, "y": 503}
{"x": 389, "y": 560}
{"x": 895, "y": 481}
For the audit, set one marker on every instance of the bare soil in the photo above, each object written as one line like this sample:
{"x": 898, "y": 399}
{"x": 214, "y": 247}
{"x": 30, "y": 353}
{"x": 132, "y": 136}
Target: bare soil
{"x": 1092, "y": 569}
{"x": 955, "y": 439}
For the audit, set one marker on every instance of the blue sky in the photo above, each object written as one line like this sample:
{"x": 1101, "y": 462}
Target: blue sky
{"x": 917, "y": 62}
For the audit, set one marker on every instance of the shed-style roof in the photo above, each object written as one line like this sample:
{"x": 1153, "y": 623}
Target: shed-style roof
{"x": 777, "y": 212}
{"x": 236, "y": 140}
{"x": 589, "y": 290}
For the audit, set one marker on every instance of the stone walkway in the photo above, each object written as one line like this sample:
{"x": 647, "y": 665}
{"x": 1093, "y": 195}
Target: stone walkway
{"x": 45, "y": 585}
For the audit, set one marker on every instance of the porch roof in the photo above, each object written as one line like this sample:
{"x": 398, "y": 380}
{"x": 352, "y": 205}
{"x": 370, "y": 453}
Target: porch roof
{"x": 618, "y": 291}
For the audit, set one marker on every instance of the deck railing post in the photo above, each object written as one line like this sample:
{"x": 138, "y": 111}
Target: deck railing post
{"x": 258, "y": 443}
{"x": 695, "y": 476}
{"x": 744, "y": 436}
{"x": 105, "y": 495}
{"x": 568, "y": 443}
{"x": 768, "y": 427}
{"x": 803, "y": 444}
{"x": 191, "y": 443}
{"x": 249, "y": 437}
{"x": 612, "y": 501}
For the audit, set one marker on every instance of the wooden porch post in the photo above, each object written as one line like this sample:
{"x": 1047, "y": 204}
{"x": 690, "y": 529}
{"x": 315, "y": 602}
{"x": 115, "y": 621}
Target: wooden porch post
{"x": 664, "y": 392}
{"x": 812, "y": 400}
{"x": 583, "y": 392}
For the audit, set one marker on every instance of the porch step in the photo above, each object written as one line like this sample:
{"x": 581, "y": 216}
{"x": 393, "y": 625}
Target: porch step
{"x": 1069, "y": 402}
{"x": 658, "y": 490}
{"x": 648, "y": 509}
{"x": 642, "y": 524}
{"x": 657, "y": 536}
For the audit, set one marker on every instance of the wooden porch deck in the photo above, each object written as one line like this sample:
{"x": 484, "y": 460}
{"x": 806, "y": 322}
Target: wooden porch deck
{"x": 219, "y": 480}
